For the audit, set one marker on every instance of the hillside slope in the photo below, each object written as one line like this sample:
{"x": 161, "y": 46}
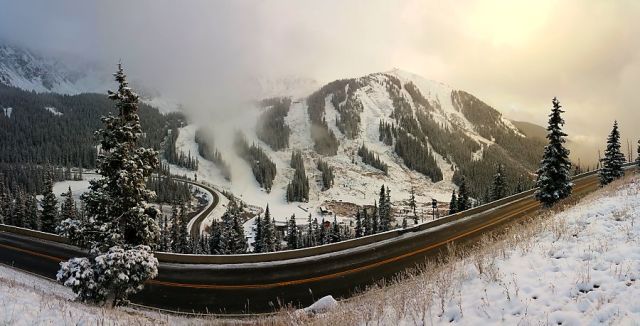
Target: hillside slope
{"x": 428, "y": 134}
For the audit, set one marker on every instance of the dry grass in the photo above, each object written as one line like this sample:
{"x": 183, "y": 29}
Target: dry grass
{"x": 423, "y": 293}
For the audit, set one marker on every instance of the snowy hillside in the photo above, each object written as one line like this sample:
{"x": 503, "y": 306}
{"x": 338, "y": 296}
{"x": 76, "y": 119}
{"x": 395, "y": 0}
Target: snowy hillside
{"x": 30, "y": 71}
{"x": 459, "y": 133}
{"x": 577, "y": 267}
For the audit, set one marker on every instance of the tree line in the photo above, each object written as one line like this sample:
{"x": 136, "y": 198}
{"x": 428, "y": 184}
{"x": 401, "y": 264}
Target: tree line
{"x": 262, "y": 167}
{"x": 271, "y": 127}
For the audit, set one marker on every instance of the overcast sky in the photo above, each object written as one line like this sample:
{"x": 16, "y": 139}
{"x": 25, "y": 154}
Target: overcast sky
{"x": 514, "y": 55}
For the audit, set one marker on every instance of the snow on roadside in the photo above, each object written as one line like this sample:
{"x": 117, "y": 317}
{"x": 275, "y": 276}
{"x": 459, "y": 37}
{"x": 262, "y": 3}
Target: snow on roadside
{"x": 577, "y": 267}
{"x": 27, "y": 299}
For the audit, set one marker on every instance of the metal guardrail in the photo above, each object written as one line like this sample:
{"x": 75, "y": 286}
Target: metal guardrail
{"x": 165, "y": 257}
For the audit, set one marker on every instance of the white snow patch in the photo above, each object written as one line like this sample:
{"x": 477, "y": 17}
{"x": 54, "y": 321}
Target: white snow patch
{"x": 53, "y": 111}
{"x": 325, "y": 304}
{"x": 7, "y": 112}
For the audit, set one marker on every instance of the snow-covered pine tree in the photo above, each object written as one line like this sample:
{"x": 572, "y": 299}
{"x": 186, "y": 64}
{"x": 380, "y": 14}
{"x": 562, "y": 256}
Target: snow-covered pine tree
{"x": 499, "y": 186}
{"x": 49, "y": 207}
{"x": 413, "y": 206}
{"x": 463, "y": 196}
{"x": 184, "y": 239}
{"x": 32, "y": 212}
{"x": 268, "y": 232}
{"x": 453, "y": 204}
{"x": 175, "y": 229}
{"x": 384, "y": 211}
{"x": 404, "y": 222}
{"x": 334, "y": 234}
{"x": 257, "y": 235}
{"x": 68, "y": 208}
{"x": 315, "y": 232}
{"x": 613, "y": 158}
{"x": 238, "y": 232}
{"x": 554, "y": 181}
{"x": 366, "y": 222}
{"x": 214, "y": 238}
{"x": 292, "y": 233}
{"x": 120, "y": 230}
{"x": 19, "y": 209}
{"x": 375, "y": 220}
{"x": 322, "y": 235}
{"x": 359, "y": 232}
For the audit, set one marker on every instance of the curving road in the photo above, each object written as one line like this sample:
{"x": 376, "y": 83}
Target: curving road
{"x": 262, "y": 282}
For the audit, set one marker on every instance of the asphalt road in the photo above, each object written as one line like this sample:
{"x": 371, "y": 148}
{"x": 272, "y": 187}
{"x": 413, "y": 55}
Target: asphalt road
{"x": 262, "y": 282}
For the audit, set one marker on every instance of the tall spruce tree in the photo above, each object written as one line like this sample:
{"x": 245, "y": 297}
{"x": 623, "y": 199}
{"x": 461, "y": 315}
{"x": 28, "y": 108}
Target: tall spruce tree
{"x": 554, "y": 181}
{"x": 359, "y": 232}
{"x": 413, "y": 205}
{"x": 257, "y": 238}
{"x": 184, "y": 243}
{"x": 68, "y": 209}
{"x": 499, "y": 186}
{"x": 32, "y": 212}
{"x": 121, "y": 227}
{"x": 175, "y": 229}
{"x": 366, "y": 222}
{"x": 292, "y": 233}
{"x": 49, "y": 207}
{"x": 464, "y": 202}
{"x": 453, "y": 204}
{"x": 613, "y": 158}
{"x": 268, "y": 232}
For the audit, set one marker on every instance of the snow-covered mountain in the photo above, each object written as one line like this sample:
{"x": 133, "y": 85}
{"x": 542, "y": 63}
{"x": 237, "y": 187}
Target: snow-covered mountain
{"x": 427, "y": 133}
{"x": 28, "y": 70}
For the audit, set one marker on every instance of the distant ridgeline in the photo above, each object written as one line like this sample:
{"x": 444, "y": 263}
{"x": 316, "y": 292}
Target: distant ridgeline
{"x": 49, "y": 128}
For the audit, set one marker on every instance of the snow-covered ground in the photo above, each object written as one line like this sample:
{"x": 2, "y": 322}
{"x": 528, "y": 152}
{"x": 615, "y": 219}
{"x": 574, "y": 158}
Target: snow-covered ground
{"x": 27, "y": 299}
{"x": 577, "y": 267}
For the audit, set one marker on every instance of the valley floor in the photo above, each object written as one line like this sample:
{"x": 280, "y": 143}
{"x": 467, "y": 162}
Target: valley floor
{"x": 580, "y": 266}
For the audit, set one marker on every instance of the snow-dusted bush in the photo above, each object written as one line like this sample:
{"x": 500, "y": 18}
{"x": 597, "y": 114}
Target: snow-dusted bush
{"x": 71, "y": 229}
{"x": 109, "y": 277}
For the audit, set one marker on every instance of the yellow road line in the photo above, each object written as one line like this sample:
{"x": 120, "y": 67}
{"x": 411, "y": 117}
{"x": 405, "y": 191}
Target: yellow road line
{"x": 323, "y": 277}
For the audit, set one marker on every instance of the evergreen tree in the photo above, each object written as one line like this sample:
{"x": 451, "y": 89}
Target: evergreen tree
{"x": 322, "y": 235}
{"x": 257, "y": 239}
{"x": 120, "y": 230}
{"x": 31, "y": 213}
{"x": 375, "y": 220}
{"x": 384, "y": 211}
{"x": 453, "y": 204}
{"x": 613, "y": 158}
{"x": 232, "y": 239}
{"x": 463, "y": 196}
{"x": 184, "y": 243}
{"x": 175, "y": 229}
{"x": 359, "y": 231}
{"x": 315, "y": 232}
{"x": 413, "y": 206}
{"x": 292, "y": 233}
{"x": 553, "y": 180}
{"x": 214, "y": 238}
{"x": 334, "y": 235}
{"x": 366, "y": 222}
{"x": 498, "y": 188}
{"x": 298, "y": 189}
{"x": 19, "y": 210}
{"x": 269, "y": 232}
{"x": 49, "y": 208}
{"x": 68, "y": 209}
{"x": 404, "y": 222}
